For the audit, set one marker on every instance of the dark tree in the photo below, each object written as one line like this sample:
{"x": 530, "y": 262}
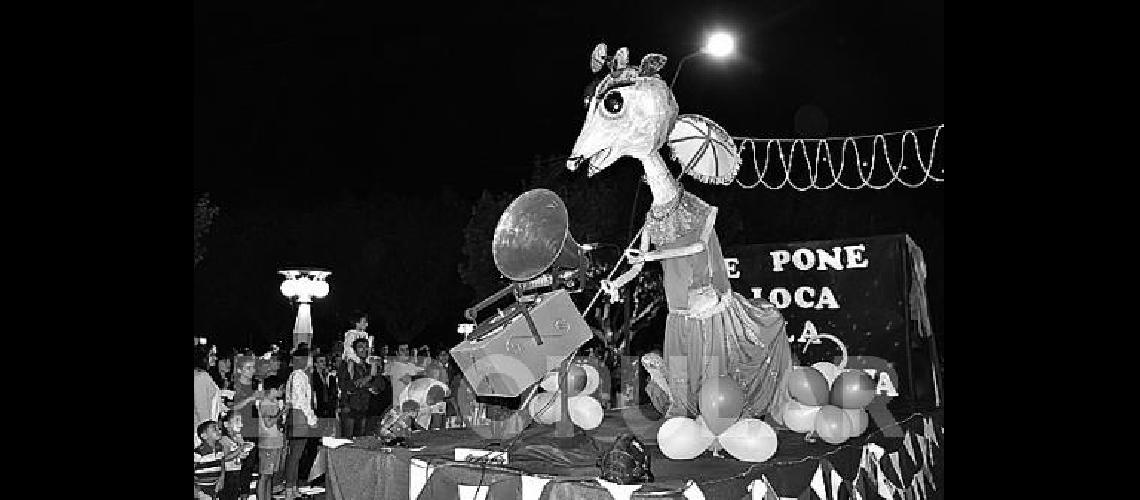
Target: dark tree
{"x": 204, "y": 213}
{"x": 477, "y": 270}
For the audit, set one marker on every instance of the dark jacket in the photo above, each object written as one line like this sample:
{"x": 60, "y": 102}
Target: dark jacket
{"x": 326, "y": 393}
{"x": 356, "y": 399}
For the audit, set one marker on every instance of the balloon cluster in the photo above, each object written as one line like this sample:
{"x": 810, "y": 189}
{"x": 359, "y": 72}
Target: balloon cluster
{"x": 421, "y": 397}
{"x": 718, "y": 426}
{"x": 585, "y": 411}
{"x": 828, "y": 401}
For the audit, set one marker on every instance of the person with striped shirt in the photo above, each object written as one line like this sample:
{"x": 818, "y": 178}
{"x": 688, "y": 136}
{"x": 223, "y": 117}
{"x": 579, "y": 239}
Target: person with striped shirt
{"x": 237, "y": 478}
{"x": 208, "y": 460}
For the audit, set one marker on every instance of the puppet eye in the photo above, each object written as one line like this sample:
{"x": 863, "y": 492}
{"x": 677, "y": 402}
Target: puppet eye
{"x": 613, "y": 102}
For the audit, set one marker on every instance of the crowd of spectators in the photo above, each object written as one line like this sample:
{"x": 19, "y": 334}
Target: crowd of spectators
{"x": 263, "y": 413}
{"x": 281, "y": 404}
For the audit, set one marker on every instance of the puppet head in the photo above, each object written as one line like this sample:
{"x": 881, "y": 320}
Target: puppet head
{"x": 630, "y": 112}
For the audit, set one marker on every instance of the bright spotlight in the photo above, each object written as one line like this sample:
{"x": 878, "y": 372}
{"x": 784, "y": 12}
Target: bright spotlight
{"x": 720, "y": 45}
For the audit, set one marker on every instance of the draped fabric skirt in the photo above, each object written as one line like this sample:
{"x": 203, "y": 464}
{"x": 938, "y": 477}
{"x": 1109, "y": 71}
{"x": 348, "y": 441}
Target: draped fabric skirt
{"x": 736, "y": 338}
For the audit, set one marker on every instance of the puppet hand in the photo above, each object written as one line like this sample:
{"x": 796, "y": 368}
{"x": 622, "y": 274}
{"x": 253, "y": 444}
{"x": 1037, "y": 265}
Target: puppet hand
{"x": 613, "y": 290}
{"x": 634, "y": 256}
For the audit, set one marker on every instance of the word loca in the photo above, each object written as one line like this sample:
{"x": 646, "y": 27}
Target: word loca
{"x": 804, "y": 297}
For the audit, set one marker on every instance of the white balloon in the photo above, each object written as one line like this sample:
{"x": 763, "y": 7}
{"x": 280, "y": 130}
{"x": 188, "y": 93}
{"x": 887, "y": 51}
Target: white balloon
{"x": 749, "y": 440}
{"x": 829, "y": 434}
{"x": 859, "y": 420}
{"x": 550, "y": 383}
{"x": 593, "y": 379}
{"x": 585, "y": 411}
{"x": 829, "y": 371}
{"x": 681, "y": 438}
{"x": 417, "y": 391}
{"x": 800, "y": 417}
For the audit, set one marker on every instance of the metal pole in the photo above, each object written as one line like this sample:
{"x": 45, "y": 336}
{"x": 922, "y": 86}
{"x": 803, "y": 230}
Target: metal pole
{"x": 679, "y": 65}
{"x": 564, "y": 428}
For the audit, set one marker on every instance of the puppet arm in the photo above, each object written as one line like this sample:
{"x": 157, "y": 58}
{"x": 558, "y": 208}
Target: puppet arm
{"x": 636, "y": 265}
{"x": 671, "y": 253}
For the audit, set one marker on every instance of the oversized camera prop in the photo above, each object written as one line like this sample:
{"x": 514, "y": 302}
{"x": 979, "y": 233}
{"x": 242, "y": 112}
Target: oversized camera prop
{"x": 511, "y": 350}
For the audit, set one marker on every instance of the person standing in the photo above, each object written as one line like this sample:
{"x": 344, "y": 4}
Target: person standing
{"x": 359, "y": 325}
{"x": 245, "y": 400}
{"x": 302, "y": 419}
{"x": 455, "y": 381}
{"x": 353, "y": 378}
{"x": 401, "y": 371}
{"x": 285, "y": 365}
{"x": 245, "y": 393}
{"x": 271, "y": 442}
{"x": 440, "y": 369}
{"x": 324, "y": 387}
{"x": 333, "y": 364}
{"x": 236, "y": 482}
{"x": 272, "y": 365}
{"x": 207, "y": 397}
{"x": 222, "y": 373}
{"x": 379, "y": 389}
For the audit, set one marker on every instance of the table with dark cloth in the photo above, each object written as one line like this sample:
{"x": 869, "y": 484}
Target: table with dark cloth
{"x": 366, "y": 469}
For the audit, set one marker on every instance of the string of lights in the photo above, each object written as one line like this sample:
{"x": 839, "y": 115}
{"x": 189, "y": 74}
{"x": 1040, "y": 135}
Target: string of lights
{"x": 813, "y": 164}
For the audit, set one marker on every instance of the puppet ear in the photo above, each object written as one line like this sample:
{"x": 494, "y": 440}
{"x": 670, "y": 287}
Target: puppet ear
{"x": 598, "y": 58}
{"x": 620, "y": 60}
{"x": 651, "y": 64}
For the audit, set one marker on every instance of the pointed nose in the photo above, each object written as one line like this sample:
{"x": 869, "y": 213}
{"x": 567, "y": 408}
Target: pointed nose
{"x": 583, "y": 146}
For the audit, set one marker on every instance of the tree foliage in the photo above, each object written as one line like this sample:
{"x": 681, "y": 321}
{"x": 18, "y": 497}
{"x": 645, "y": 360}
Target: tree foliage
{"x": 204, "y": 213}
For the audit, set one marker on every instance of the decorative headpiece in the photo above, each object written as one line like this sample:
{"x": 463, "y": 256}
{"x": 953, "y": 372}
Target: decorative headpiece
{"x": 620, "y": 71}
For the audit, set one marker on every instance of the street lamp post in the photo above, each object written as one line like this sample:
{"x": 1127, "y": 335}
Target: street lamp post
{"x": 718, "y": 45}
{"x": 302, "y": 286}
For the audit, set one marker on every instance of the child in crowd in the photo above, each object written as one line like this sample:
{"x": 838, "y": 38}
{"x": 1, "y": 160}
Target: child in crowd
{"x": 271, "y": 441}
{"x": 208, "y": 459}
{"x": 236, "y": 477}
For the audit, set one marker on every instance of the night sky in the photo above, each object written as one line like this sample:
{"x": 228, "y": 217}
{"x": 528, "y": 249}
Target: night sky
{"x": 303, "y": 106}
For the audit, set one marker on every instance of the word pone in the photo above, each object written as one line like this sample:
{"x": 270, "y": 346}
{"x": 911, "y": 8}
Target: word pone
{"x": 805, "y": 259}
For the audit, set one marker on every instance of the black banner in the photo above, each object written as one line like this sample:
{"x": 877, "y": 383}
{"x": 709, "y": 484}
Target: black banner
{"x": 857, "y": 289}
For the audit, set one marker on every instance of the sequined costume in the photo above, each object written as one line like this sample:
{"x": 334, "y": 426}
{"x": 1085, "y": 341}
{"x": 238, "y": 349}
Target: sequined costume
{"x": 711, "y": 330}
